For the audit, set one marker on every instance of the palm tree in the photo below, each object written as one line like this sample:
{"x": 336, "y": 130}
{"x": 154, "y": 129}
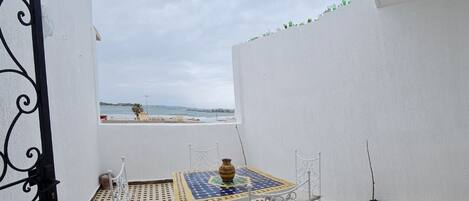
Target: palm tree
{"x": 137, "y": 109}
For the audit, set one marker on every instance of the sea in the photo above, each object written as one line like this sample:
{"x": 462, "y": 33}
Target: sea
{"x": 114, "y": 112}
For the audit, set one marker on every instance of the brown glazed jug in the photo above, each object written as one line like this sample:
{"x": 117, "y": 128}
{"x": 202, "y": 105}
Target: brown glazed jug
{"x": 227, "y": 170}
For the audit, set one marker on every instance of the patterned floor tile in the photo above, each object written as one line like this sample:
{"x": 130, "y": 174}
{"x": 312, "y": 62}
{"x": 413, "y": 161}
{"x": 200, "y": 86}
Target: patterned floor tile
{"x": 142, "y": 192}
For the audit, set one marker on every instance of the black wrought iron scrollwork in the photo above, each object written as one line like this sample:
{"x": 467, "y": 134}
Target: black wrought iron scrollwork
{"x": 25, "y": 106}
{"x": 21, "y": 14}
{"x": 27, "y": 189}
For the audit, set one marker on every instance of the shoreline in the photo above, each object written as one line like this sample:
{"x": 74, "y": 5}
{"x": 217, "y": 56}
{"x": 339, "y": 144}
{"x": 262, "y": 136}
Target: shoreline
{"x": 120, "y": 118}
{"x": 149, "y": 121}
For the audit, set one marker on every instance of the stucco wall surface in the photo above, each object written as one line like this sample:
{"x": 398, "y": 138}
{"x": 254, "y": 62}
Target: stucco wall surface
{"x": 396, "y": 76}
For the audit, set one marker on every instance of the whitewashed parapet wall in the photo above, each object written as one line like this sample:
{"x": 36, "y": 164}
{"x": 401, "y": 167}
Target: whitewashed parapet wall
{"x": 69, "y": 49}
{"x": 154, "y": 151}
{"x": 397, "y": 76}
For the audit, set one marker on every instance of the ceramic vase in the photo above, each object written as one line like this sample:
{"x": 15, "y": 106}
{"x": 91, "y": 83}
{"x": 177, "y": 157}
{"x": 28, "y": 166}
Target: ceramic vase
{"x": 227, "y": 171}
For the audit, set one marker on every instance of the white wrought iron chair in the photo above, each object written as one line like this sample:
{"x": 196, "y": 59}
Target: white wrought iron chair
{"x": 203, "y": 158}
{"x": 308, "y": 182}
{"x": 309, "y": 168}
{"x": 121, "y": 191}
{"x": 291, "y": 194}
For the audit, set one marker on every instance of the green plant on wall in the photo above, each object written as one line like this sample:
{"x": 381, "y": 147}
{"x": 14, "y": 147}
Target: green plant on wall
{"x": 331, "y": 8}
{"x": 291, "y": 24}
{"x": 345, "y": 2}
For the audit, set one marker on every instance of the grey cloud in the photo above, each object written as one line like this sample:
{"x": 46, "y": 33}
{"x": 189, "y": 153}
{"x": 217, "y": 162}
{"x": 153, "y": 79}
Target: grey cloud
{"x": 179, "y": 51}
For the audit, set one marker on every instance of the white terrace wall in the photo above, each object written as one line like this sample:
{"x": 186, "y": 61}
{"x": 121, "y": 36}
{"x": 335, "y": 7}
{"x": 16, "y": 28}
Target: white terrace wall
{"x": 71, "y": 78}
{"x": 396, "y": 76}
{"x": 70, "y": 53}
{"x": 154, "y": 151}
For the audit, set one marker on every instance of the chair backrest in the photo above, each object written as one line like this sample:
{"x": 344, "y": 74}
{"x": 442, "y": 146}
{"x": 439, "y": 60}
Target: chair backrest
{"x": 203, "y": 158}
{"x": 121, "y": 191}
{"x": 308, "y": 168}
{"x": 308, "y": 182}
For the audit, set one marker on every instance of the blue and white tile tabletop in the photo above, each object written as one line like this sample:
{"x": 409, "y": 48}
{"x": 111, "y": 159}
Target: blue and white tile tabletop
{"x": 202, "y": 186}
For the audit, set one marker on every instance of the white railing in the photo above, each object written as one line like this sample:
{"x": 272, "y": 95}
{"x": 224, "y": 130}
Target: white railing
{"x": 121, "y": 191}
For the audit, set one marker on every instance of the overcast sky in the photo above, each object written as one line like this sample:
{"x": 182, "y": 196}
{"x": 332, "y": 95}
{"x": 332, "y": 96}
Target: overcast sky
{"x": 178, "y": 52}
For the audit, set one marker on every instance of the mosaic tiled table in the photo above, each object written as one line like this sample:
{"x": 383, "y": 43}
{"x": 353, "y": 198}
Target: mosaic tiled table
{"x": 206, "y": 185}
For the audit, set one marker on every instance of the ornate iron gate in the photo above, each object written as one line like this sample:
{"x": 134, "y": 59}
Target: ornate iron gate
{"x": 41, "y": 173}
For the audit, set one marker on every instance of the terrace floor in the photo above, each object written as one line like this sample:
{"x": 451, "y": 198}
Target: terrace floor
{"x": 142, "y": 192}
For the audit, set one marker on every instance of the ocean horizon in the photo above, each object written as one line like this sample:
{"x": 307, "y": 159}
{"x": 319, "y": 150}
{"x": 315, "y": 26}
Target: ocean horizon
{"x": 124, "y": 112}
